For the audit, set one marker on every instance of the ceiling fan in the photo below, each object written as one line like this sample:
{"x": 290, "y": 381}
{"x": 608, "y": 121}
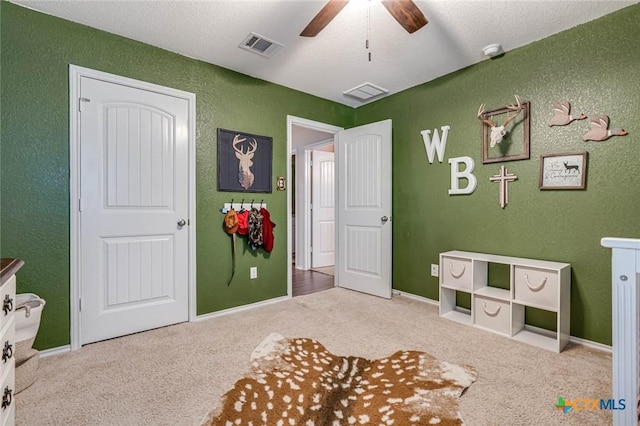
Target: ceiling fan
{"x": 404, "y": 11}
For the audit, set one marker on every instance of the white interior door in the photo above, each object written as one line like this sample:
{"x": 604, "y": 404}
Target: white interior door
{"x": 363, "y": 156}
{"x": 323, "y": 210}
{"x": 134, "y": 196}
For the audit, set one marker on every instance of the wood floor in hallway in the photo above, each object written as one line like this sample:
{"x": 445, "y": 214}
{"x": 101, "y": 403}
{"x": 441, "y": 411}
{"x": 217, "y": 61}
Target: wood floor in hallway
{"x": 307, "y": 282}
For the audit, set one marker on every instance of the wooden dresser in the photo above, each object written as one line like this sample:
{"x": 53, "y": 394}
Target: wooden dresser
{"x": 9, "y": 268}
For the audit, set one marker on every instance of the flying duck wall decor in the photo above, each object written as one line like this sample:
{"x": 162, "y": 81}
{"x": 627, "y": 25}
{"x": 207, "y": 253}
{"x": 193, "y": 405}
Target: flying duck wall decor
{"x": 562, "y": 115}
{"x": 600, "y": 130}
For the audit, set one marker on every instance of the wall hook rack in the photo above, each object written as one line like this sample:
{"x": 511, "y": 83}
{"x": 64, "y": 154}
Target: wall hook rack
{"x": 242, "y": 205}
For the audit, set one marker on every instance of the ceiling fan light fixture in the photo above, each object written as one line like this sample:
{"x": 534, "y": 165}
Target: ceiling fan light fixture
{"x": 405, "y": 12}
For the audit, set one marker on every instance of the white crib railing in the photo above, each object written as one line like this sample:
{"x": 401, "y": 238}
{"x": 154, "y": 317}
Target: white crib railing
{"x": 625, "y": 271}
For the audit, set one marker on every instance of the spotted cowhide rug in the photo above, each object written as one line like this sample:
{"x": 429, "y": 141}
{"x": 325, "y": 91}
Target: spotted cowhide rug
{"x": 296, "y": 381}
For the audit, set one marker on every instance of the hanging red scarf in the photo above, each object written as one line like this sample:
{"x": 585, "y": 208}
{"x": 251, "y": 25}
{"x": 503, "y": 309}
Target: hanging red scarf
{"x": 267, "y": 230}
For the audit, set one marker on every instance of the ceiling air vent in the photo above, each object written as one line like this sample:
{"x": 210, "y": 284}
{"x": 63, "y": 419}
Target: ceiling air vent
{"x": 366, "y": 91}
{"x": 261, "y": 45}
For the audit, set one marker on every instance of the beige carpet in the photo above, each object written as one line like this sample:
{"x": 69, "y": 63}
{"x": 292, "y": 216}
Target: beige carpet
{"x": 175, "y": 375}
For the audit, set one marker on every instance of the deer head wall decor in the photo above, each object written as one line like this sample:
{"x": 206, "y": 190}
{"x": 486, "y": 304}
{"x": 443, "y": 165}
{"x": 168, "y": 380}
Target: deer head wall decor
{"x": 245, "y": 176}
{"x": 499, "y": 132}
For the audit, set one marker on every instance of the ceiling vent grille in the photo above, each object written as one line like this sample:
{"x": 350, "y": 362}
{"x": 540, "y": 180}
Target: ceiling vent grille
{"x": 366, "y": 91}
{"x": 261, "y": 45}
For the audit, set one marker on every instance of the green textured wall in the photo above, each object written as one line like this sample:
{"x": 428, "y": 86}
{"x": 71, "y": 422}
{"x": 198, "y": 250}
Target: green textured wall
{"x": 596, "y": 67}
{"x": 36, "y": 52}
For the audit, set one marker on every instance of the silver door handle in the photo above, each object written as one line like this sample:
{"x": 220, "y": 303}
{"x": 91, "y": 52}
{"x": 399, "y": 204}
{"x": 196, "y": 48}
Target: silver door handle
{"x": 384, "y": 219}
{"x": 181, "y": 223}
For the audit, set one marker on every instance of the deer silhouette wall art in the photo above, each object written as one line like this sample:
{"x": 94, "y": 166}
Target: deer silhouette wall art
{"x": 245, "y": 175}
{"x": 244, "y": 161}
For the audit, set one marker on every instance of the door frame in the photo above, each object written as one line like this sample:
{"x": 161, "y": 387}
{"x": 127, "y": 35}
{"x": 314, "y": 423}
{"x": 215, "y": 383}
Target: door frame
{"x": 303, "y": 223}
{"x": 75, "y": 75}
{"x": 304, "y": 203}
{"x": 308, "y": 196}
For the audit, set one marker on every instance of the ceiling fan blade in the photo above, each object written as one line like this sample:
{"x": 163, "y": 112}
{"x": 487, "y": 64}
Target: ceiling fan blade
{"x": 406, "y": 13}
{"x": 322, "y": 19}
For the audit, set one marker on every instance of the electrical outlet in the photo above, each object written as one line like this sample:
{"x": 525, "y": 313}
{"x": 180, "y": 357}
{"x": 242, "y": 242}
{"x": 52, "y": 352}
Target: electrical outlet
{"x": 253, "y": 272}
{"x": 435, "y": 270}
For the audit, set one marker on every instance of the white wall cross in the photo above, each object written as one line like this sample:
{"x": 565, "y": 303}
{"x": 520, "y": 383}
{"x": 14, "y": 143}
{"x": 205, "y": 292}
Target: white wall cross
{"x": 504, "y": 178}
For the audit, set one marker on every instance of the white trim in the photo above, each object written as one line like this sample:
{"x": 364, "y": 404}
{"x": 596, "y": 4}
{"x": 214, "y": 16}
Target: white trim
{"x": 242, "y": 308}
{"x": 316, "y": 125}
{"x": 320, "y": 144}
{"x": 67, "y": 348}
{"x": 577, "y": 340}
{"x": 625, "y": 327}
{"x": 74, "y": 194}
{"x": 295, "y": 242}
{"x": 623, "y": 243}
{"x": 55, "y": 351}
{"x": 305, "y": 202}
{"x": 306, "y": 241}
{"x": 591, "y": 344}
{"x": 416, "y": 297}
{"x": 75, "y": 74}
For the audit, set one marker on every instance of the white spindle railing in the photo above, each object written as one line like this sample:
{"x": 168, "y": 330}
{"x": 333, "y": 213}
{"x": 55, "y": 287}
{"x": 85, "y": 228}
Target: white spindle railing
{"x": 625, "y": 271}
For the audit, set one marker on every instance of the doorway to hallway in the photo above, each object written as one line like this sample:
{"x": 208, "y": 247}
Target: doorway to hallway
{"x": 311, "y": 200}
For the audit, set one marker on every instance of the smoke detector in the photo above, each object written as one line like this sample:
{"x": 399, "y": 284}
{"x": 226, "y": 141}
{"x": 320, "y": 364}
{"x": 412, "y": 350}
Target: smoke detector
{"x": 492, "y": 50}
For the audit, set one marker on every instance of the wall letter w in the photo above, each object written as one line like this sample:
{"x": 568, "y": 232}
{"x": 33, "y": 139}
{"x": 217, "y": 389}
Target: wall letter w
{"x": 436, "y": 145}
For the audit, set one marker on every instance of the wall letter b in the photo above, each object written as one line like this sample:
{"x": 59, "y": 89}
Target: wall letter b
{"x": 456, "y": 175}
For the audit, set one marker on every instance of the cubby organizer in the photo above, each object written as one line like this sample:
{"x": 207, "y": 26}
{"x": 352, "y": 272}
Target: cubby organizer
{"x": 532, "y": 283}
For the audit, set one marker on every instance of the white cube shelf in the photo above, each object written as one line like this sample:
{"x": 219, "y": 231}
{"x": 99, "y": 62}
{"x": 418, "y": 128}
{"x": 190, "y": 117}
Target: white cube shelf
{"x": 532, "y": 283}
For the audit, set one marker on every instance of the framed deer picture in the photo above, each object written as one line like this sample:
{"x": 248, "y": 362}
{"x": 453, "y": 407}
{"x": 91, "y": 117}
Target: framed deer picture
{"x": 505, "y": 132}
{"x": 244, "y": 162}
{"x": 563, "y": 171}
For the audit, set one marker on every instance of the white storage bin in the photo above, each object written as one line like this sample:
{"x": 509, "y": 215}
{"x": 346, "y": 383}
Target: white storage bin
{"x": 28, "y": 312}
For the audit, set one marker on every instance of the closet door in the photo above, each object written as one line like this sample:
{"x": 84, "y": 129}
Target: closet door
{"x": 134, "y": 205}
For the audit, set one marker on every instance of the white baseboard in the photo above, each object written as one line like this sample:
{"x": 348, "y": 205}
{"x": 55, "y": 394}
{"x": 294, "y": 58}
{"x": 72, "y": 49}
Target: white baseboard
{"x": 241, "y": 308}
{"x": 576, "y": 340}
{"x": 416, "y": 297}
{"x": 591, "y": 344}
{"x": 67, "y": 348}
{"x": 55, "y": 351}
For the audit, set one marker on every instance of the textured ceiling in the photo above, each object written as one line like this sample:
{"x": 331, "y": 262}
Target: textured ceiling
{"x": 336, "y": 60}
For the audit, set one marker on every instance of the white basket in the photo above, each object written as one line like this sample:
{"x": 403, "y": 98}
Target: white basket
{"x": 28, "y": 312}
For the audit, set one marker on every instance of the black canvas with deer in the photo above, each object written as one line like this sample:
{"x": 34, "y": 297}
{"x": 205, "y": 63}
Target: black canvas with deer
{"x": 244, "y": 162}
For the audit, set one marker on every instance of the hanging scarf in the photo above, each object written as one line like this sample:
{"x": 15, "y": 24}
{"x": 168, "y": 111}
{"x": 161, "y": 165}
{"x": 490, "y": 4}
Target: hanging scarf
{"x": 255, "y": 229}
{"x": 231, "y": 227}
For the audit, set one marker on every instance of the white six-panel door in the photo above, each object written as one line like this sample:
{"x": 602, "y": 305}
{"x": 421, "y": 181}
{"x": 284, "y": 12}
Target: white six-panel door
{"x": 363, "y": 157}
{"x": 134, "y": 195}
{"x": 323, "y": 212}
